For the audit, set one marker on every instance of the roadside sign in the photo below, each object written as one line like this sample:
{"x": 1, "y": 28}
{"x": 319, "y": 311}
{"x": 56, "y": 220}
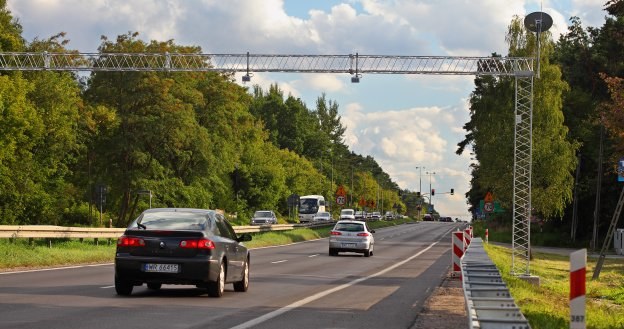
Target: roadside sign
{"x": 293, "y": 200}
{"x": 489, "y": 197}
{"x": 621, "y": 170}
{"x": 341, "y": 191}
{"x": 341, "y": 200}
{"x": 488, "y": 206}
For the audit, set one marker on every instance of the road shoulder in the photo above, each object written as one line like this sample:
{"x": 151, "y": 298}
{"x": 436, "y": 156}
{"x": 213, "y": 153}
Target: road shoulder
{"x": 445, "y": 308}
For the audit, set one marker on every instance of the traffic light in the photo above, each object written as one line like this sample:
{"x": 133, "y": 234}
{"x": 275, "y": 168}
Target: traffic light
{"x": 418, "y": 194}
{"x": 432, "y": 192}
{"x": 452, "y": 191}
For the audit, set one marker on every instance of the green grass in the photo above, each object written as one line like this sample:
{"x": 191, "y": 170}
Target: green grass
{"x": 22, "y": 254}
{"x": 60, "y": 252}
{"x": 547, "y": 306}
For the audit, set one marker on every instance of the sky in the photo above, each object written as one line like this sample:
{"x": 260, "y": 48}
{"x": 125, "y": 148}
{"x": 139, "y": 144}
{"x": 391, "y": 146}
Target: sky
{"x": 410, "y": 124}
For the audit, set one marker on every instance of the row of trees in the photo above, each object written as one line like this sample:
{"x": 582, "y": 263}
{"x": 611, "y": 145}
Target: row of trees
{"x": 72, "y": 145}
{"x": 578, "y": 124}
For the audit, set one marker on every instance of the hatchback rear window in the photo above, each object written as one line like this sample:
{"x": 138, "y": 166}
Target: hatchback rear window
{"x": 174, "y": 221}
{"x": 349, "y": 227}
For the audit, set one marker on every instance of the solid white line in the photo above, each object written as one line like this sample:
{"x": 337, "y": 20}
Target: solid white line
{"x": 107, "y": 287}
{"x": 313, "y": 255}
{"x": 55, "y": 268}
{"x": 279, "y": 261}
{"x": 322, "y": 294}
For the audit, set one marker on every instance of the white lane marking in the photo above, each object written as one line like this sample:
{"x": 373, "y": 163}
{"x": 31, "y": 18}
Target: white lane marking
{"x": 279, "y": 261}
{"x": 55, "y": 268}
{"x": 107, "y": 287}
{"x": 302, "y": 302}
{"x": 313, "y": 255}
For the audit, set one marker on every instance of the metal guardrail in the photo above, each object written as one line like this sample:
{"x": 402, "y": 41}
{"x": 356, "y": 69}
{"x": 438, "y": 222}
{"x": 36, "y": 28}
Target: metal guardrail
{"x": 489, "y": 303}
{"x": 50, "y": 231}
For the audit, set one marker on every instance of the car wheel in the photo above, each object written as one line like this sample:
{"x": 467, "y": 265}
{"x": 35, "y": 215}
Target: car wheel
{"x": 369, "y": 252}
{"x": 333, "y": 252}
{"x": 216, "y": 288}
{"x": 243, "y": 285}
{"x": 154, "y": 285}
{"x": 123, "y": 287}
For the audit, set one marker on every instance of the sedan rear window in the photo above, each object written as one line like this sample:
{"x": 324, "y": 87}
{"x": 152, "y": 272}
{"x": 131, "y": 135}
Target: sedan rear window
{"x": 174, "y": 221}
{"x": 349, "y": 227}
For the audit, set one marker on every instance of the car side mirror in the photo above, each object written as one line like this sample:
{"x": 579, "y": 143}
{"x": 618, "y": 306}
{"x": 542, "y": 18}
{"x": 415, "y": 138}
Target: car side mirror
{"x": 244, "y": 237}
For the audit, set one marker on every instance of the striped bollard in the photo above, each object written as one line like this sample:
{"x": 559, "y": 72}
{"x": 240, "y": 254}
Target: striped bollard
{"x": 486, "y": 236}
{"x": 578, "y": 264}
{"x": 459, "y": 245}
{"x": 467, "y": 238}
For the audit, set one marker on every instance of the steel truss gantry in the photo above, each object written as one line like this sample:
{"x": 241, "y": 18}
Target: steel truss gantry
{"x": 520, "y": 68}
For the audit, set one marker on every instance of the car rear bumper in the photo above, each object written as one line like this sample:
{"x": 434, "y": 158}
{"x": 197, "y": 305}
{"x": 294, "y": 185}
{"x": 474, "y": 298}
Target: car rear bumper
{"x": 194, "y": 271}
{"x": 349, "y": 246}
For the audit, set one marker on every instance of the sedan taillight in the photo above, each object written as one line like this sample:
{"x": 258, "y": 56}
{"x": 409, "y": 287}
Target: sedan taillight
{"x": 363, "y": 234}
{"x": 335, "y": 233}
{"x": 197, "y": 244}
{"x": 130, "y": 241}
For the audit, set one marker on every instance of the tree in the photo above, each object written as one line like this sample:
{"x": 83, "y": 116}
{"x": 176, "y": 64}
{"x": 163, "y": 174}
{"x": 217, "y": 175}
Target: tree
{"x": 491, "y": 130}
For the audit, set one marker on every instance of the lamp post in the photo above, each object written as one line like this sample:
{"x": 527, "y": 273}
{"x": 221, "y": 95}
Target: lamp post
{"x": 420, "y": 168}
{"x": 430, "y": 173}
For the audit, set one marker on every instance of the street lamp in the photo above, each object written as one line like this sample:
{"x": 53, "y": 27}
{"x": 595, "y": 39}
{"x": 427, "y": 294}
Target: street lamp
{"x": 430, "y": 195}
{"x": 420, "y": 168}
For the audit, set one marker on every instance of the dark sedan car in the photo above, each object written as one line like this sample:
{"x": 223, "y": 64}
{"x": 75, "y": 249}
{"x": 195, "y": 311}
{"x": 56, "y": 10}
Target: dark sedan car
{"x": 181, "y": 246}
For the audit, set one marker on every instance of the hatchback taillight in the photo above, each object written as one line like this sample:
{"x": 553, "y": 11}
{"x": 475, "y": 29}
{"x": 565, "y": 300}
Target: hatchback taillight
{"x": 197, "y": 244}
{"x": 130, "y": 241}
{"x": 335, "y": 233}
{"x": 363, "y": 234}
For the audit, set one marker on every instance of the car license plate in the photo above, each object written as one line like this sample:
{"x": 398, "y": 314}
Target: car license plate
{"x": 161, "y": 268}
{"x": 348, "y": 245}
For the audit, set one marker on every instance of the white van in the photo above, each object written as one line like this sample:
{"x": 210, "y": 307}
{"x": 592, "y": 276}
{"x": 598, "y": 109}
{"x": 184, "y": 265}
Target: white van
{"x": 347, "y": 214}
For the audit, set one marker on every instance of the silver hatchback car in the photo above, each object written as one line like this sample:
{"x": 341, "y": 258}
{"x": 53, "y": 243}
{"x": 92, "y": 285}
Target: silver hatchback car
{"x": 351, "y": 236}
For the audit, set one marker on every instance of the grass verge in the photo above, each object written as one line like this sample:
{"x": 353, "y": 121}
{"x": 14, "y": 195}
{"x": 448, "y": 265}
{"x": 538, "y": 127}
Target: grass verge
{"x": 21, "y": 254}
{"x": 547, "y": 306}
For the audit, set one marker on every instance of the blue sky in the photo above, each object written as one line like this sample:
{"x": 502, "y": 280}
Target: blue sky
{"x": 402, "y": 121}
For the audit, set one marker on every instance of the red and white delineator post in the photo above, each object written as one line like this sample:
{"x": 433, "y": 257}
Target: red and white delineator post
{"x": 468, "y": 236}
{"x": 486, "y": 236}
{"x": 459, "y": 247}
{"x": 578, "y": 264}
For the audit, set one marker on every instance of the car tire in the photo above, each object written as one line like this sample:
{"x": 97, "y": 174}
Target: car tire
{"x": 154, "y": 285}
{"x": 216, "y": 288}
{"x": 333, "y": 252}
{"x": 369, "y": 252}
{"x": 243, "y": 285}
{"x": 123, "y": 287}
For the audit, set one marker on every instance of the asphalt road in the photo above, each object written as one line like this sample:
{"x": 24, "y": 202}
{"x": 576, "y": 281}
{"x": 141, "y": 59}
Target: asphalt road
{"x": 295, "y": 286}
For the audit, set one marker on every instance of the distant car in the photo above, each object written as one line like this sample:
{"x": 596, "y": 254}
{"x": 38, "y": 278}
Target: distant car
{"x": 322, "y": 217}
{"x": 264, "y": 217}
{"x": 347, "y": 214}
{"x": 181, "y": 246}
{"x": 389, "y": 215}
{"x": 375, "y": 215}
{"x": 428, "y": 218}
{"x": 351, "y": 236}
{"x": 446, "y": 219}
{"x": 360, "y": 215}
